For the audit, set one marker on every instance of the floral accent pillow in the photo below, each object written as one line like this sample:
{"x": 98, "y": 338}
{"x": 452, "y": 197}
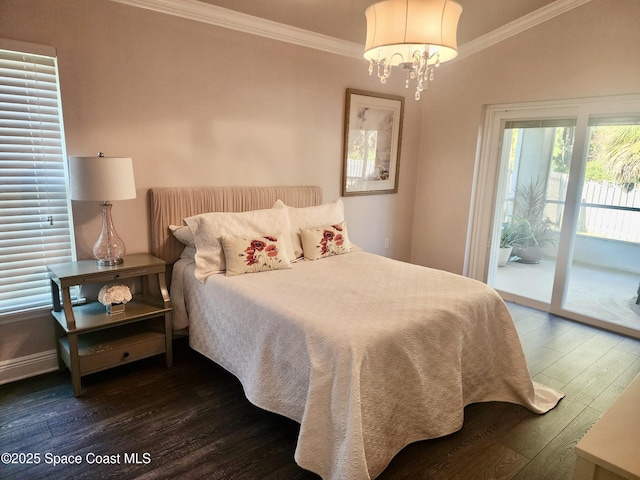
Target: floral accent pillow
{"x": 322, "y": 242}
{"x": 257, "y": 254}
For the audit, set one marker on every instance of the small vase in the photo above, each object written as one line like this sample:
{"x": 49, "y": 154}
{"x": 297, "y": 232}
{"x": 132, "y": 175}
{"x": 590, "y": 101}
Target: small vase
{"x": 504, "y": 256}
{"x": 115, "y": 308}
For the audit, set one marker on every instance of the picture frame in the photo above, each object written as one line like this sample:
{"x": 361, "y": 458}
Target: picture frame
{"x": 372, "y": 141}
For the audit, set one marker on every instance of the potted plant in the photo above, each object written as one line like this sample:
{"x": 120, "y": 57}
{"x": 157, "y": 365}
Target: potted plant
{"x": 532, "y": 229}
{"x": 506, "y": 244}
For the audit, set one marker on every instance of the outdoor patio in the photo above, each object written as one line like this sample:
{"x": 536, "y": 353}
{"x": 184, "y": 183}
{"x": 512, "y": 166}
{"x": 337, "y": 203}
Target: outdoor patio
{"x": 600, "y": 293}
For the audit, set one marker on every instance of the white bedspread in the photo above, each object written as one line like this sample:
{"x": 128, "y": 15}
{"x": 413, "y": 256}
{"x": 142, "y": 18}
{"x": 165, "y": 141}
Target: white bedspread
{"x": 368, "y": 354}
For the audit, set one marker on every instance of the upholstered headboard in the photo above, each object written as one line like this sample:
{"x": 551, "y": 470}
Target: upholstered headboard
{"x": 169, "y": 205}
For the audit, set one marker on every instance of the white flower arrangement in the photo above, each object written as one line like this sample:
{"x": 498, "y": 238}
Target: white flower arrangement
{"x": 114, "y": 293}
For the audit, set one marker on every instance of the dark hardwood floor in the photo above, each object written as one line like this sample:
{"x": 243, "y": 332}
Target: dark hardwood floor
{"x": 193, "y": 421}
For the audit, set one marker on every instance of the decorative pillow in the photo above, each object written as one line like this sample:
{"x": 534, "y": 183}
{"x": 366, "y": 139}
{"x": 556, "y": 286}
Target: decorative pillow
{"x": 255, "y": 254}
{"x": 322, "y": 242}
{"x": 207, "y": 229}
{"x": 307, "y": 217}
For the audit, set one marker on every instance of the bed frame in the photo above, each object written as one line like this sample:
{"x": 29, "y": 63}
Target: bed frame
{"x": 169, "y": 205}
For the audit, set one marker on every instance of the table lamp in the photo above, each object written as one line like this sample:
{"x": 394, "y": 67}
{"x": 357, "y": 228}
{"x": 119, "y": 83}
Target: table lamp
{"x": 103, "y": 179}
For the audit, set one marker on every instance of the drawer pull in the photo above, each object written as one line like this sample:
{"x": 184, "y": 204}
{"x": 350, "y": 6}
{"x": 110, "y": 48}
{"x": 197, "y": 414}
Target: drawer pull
{"x": 125, "y": 354}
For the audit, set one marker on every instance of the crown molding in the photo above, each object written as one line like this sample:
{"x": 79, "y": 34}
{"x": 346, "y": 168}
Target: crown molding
{"x": 519, "y": 25}
{"x": 225, "y": 18}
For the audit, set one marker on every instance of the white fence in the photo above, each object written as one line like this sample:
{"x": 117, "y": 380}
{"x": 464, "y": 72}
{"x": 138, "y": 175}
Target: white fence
{"x": 606, "y": 210}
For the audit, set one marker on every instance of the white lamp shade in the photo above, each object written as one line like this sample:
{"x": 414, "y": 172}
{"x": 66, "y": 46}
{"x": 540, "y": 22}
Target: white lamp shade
{"x": 396, "y": 28}
{"x": 101, "y": 178}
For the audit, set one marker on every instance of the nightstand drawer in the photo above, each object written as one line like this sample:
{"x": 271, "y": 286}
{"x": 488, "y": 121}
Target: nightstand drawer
{"x": 109, "y": 348}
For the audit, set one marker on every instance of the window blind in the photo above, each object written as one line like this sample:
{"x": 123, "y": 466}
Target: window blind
{"x": 35, "y": 226}
{"x": 599, "y": 121}
{"x": 543, "y": 123}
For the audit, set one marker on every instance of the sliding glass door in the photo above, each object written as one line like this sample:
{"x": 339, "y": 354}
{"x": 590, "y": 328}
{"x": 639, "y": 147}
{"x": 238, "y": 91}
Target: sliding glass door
{"x": 564, "y": 235}
{"x": 536, "y": 155}
{"x": 604, "y": 272}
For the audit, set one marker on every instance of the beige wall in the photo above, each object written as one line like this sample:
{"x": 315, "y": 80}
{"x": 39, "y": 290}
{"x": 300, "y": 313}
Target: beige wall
{"x": 589, "y": 51}
{"x": 195, "y": 104}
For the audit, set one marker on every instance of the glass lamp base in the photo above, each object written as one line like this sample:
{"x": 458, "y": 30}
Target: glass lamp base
{"x": 117, "y": 261}
{"x": 109, "y": 249}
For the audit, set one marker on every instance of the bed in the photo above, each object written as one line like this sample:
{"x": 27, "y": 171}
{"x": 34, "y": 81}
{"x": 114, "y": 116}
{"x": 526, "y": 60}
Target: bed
{"x": 368, "y": 354}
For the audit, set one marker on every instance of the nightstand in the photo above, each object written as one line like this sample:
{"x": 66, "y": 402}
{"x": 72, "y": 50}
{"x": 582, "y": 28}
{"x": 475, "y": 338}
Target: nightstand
{"x": 91, "y": 339}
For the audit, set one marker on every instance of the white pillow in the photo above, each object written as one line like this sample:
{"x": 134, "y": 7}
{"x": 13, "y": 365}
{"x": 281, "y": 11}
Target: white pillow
{"x": 184, "y": 234}
{"x": 188, "y": 252}
{"x": 255, "y": 254}
{"x": 307, "y": 217}
{"x": 207, "y": 229}
{"x": 322, "y": 242}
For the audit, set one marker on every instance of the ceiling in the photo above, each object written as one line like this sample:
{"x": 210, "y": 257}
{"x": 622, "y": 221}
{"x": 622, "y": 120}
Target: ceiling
{"x": 344, "y": 19}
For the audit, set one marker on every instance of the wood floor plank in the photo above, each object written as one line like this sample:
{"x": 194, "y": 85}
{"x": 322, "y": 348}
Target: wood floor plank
{"x": 530, "y": 437}
{"x": 629, "y": 345}
{"x": 22, "y": 438}
{"x": 573, "y": 363}
{"x": 542, "y": 358}
{"x": 571, "y": 339}
{"x": 549, "y": 382}
{"x": 544, "y": 329}
{"x": 604, "y": 341}
{"x": 556, "y": 461}
{"x": 595, "y": 379}
{"x": 503, "y": 465}
{"x": 533, "y": 434}
{"x": 519, "y": 312}
{"x": 291, "y": 472}
{"x": 18, "y": 411}
{"x": 604, "y": 401}
{"x": 223, "y": 460}
{"x": 443, "y": 457}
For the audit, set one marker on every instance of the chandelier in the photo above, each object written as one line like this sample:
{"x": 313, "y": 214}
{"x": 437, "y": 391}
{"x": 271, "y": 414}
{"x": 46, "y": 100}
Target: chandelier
{"x": 415, "y": 35}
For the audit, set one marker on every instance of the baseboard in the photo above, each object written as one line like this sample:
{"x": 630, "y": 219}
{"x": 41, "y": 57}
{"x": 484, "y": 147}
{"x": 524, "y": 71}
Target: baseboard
{"x": 28, "y": 366}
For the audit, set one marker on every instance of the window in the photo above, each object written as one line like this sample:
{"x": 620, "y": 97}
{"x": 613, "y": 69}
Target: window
{"x": 35, "y": 223}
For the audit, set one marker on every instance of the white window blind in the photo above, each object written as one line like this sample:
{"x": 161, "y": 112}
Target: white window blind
{"x": 35, "y": 226}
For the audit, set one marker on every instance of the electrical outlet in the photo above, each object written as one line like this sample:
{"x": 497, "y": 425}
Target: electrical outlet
{"x": 386, "y": 243}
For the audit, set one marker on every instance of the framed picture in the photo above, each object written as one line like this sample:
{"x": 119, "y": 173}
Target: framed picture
{"x": 372, "y": 137}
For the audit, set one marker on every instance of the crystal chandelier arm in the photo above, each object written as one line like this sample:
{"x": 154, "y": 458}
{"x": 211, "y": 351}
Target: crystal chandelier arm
{"x": 383, "y": 70}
